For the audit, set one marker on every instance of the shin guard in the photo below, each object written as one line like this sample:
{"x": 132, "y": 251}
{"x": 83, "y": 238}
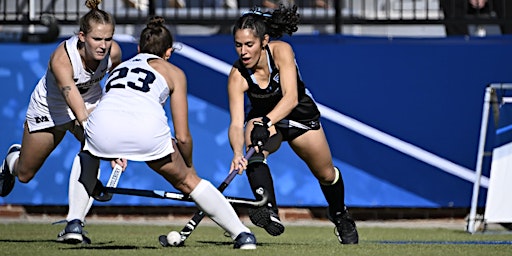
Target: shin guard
{"x": 259, "y": 175}
{"x": 88, "y": 171}
{"x": 335, "y": 194}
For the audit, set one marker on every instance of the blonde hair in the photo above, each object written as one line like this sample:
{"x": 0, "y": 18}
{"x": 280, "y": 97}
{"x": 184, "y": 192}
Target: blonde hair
{"x": 95, "y": 15}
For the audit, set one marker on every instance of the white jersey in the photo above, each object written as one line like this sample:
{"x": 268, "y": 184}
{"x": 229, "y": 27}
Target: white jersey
{"x": 48, "y": 108}
{"x": 130, "y": 121}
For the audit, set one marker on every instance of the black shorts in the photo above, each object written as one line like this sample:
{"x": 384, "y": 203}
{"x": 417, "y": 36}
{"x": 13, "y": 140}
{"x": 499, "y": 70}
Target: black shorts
{"x": 290, "y": 129}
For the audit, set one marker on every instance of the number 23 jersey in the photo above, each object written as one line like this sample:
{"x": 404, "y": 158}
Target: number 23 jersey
{"x": 130, "y": 121}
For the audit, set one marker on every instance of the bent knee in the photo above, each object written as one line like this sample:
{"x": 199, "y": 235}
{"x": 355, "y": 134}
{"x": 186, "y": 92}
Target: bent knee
{"x": 25, "y": 178}
{"x": 328, "y": 175}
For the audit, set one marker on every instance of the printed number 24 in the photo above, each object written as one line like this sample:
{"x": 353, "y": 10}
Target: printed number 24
{"x": 144, "y": 78}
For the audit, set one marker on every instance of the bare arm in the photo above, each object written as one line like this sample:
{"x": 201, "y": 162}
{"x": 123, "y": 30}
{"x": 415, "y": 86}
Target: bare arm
{"x": 179, "y": 110}
{"x": 236, "y": 89}
{"x": 62, "y": 69}
{"x": 115, "y": 55}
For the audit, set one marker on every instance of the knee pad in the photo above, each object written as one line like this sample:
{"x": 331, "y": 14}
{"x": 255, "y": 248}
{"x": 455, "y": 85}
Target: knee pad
{"x": 88, "y": 166}
{"x": 273, "y": 143}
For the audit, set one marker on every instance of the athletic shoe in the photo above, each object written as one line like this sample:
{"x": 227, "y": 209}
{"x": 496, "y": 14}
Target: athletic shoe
{"x": 73, "y": 233}
{"x": 345, "y": 228}
{"x": 268, "y": 219}
{"x": 245, "y": 241}
{"x": 6, "y": 178}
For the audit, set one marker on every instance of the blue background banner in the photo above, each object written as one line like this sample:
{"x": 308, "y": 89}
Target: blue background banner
{"x": 402, "y": 117}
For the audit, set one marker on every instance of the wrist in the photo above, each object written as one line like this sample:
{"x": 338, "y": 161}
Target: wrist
{"x": 266, "y": 121}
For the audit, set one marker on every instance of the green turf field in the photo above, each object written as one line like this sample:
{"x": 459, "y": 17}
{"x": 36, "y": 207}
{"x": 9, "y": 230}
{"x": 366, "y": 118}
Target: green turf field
{"x": 119, "y": 239}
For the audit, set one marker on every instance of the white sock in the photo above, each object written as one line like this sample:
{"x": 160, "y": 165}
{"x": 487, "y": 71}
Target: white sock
{"x": 215, "y": 205}
{"x": 11, "y": 159}
{"x": 79, "y": 201}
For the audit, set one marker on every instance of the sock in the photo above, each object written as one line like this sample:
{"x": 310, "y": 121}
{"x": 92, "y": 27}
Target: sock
{"x": 259, "y": 175}
{"x": 11, "y": 159}
{"x": 215, "y": 205}
{"x": 335, "y": 194}
{"x": 79, "y": 200}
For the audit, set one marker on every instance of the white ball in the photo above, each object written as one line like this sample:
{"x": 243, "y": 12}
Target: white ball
{"x": 174, "y": 238}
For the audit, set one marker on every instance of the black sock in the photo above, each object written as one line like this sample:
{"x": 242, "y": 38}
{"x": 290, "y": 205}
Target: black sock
{"x": 259, "y": 175}
{"x": 335, "y": 195}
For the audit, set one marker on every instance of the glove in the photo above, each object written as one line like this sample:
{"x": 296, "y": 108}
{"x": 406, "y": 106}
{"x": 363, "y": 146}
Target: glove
{"x": 259, "y": 134}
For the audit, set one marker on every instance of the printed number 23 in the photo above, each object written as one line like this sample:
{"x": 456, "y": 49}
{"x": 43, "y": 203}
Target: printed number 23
{"x": 144, "y": 78}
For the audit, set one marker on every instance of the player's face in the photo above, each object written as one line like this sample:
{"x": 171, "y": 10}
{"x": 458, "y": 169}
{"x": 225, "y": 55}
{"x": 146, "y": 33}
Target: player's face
{"x": 98, "y": 41}
{"x": 248, "y": 46}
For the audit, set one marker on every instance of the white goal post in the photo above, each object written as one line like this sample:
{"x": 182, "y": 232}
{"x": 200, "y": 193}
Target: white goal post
{"x": 498, "y": 207}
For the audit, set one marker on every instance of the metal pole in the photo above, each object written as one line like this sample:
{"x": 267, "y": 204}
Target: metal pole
{"x": 480, "y": 156}
{"x": 31, "y": 15}
{"x": 338, "y": 19}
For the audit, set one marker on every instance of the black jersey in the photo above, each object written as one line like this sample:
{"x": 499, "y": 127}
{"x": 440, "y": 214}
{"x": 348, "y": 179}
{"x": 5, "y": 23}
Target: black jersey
{"x": 264, "y": 100}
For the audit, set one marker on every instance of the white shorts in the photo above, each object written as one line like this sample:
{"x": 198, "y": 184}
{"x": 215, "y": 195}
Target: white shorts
{"x": 45, "y": 112}
{"x": 135, "y": 136}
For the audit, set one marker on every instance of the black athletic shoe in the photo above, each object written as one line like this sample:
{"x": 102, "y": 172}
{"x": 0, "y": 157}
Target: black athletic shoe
{"x": 266, "y": 218}
{"x": 245, "y": 241}
{"x": 73, "y": 233}
{"x": 7, "y": 180}
{"x": 345, "y": 228}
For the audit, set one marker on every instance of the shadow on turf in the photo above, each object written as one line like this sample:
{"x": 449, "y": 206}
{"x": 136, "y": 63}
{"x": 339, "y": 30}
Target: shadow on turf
{"x": 258, "y": 244}
{"x": 107, "y": 246}
{"x": 24, "y": 241}
{"x": 95, "y": 246}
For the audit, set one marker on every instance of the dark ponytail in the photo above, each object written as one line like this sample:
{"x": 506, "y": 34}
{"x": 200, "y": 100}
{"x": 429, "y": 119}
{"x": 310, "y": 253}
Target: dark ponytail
{"x": 283, "y": 20}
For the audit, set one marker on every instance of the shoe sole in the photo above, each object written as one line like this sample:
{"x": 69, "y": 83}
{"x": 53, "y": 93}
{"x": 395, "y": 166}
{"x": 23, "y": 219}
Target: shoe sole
{"x": 7, "y": 178}
{"x": 71, "y": 238}
{"x": 7, "y": 184}
{"x": 248, "y": 247}
{"x": 263, "y": 219}
{"x": 354, "y": 238}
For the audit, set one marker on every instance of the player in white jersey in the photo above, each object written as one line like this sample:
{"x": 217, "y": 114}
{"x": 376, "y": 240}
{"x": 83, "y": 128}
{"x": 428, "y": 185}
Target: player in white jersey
{"x": 62, "y": 101}
{"x": 136, "y": 109}
{"x": 130, "y": 123}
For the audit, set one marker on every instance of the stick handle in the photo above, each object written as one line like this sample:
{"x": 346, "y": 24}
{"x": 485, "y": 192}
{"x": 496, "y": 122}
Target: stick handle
{"x": 186, "y": 231}
{"x": 233, "y": 174}
{"x": 114, "y": 176}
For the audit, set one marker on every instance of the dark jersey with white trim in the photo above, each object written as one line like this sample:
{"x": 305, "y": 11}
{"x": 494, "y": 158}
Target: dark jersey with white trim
{"x": 264, "y": 100}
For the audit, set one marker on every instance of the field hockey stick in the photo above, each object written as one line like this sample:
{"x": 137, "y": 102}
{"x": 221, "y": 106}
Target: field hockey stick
{"x": 187, "y": 230}
{"x": 104, "y": 195}
{"x": 180, "y": 197}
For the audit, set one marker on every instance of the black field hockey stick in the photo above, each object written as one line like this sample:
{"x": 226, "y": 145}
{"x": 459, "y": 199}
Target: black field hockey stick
{"x": 180, "y": 197}
{"x": 187, "y": 230}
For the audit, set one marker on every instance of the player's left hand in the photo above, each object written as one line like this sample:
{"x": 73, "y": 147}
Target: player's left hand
{"x": 259, "y": 134}
{"x": 121, "y": 162}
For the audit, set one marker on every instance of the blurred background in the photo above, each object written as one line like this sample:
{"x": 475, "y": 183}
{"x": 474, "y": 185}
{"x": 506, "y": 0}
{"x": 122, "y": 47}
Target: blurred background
{"x": 400, "y": 86}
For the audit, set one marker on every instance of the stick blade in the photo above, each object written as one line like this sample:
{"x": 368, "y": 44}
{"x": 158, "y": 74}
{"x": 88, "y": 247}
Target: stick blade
{"x": 162, "y": 239}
